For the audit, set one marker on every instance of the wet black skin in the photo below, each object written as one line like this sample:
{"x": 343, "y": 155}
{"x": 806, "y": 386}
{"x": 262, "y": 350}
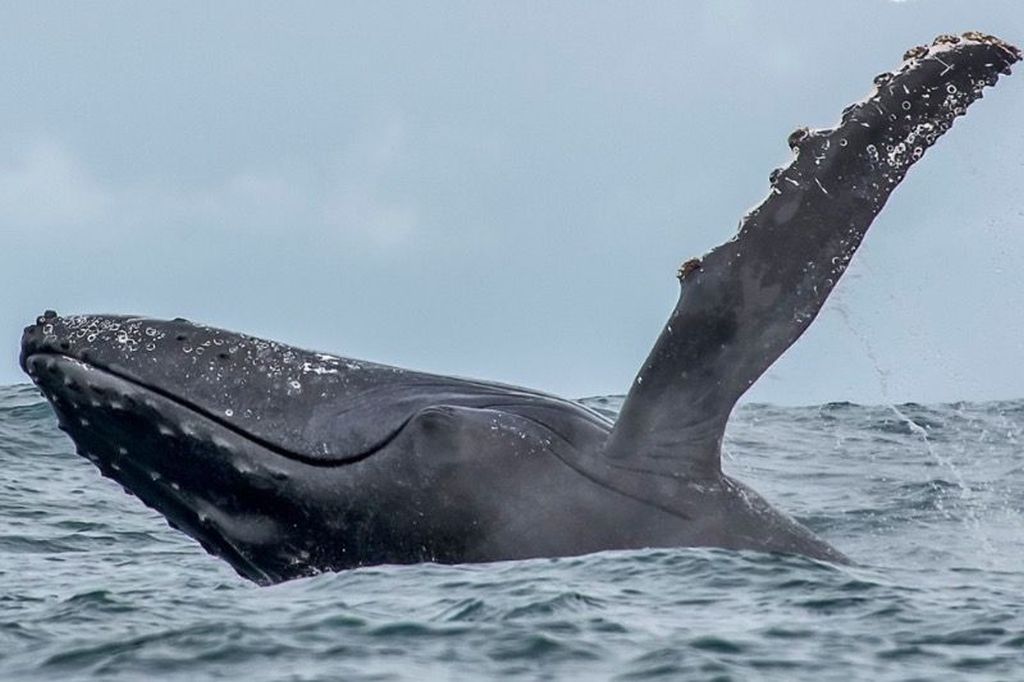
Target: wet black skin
{"x": 287, "y": 462}
{"x": 492, "y": 472}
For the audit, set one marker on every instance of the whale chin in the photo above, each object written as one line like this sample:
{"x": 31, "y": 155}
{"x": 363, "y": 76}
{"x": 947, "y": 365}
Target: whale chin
{"x": 208, "y": 481}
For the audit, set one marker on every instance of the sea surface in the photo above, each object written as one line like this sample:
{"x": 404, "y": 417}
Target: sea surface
{"x": 927, "y": 499}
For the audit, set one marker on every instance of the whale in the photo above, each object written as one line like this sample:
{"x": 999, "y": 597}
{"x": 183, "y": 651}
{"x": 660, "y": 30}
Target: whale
{"x": 286, "y": 462}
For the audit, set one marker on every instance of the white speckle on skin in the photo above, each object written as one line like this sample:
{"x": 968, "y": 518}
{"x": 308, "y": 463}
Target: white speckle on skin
{"x": 310, "y": 368}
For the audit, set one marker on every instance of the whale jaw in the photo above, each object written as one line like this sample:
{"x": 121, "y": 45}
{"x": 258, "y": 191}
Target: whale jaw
{"x": 212, "y": 483}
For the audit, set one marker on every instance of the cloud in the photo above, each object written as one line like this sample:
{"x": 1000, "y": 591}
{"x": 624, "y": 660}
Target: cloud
{"x": 354, "y": 204}
{"x": 44, "y": 186}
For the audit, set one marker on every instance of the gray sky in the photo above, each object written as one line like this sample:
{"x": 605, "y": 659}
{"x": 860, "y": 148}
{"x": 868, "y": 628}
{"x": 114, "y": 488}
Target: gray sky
{"x": 499, "y": 190}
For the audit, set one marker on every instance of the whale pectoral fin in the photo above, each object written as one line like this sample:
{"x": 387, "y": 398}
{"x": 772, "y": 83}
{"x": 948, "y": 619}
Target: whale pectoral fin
{"x": 748, "y": 300}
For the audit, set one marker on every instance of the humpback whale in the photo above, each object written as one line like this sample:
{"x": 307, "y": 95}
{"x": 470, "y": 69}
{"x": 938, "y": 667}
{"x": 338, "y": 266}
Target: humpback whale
{"x": 287, "y": 462}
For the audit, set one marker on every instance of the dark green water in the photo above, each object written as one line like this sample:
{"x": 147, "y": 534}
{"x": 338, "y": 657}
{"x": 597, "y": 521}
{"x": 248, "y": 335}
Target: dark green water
{"x": 929, "y": 501}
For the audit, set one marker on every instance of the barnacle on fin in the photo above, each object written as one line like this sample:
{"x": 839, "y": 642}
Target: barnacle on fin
{"x": 688, "y": 267}
{"x": 796, "y": 137}
{"x": 915, "y": 53}
{"x": 979, "y": 37}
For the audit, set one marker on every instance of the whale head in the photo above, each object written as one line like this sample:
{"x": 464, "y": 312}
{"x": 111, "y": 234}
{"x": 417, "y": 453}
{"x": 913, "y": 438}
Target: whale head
{"x": 226, "y": 435}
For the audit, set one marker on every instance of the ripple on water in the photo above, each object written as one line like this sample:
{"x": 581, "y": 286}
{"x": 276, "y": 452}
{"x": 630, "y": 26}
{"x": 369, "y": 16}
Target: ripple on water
{"x": 95, "y": 586}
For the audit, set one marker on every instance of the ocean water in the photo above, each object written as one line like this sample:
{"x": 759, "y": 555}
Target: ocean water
{"x": 928, "y": 500}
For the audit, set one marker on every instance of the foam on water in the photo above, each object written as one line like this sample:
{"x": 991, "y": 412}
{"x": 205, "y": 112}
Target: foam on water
{"x": 928, "y": 499}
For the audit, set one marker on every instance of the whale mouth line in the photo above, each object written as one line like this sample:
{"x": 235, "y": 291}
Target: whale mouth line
{"x": 326, "y": 461}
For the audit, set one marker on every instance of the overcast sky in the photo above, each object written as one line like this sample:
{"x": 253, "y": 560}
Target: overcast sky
{"x": 498, "y": 190}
